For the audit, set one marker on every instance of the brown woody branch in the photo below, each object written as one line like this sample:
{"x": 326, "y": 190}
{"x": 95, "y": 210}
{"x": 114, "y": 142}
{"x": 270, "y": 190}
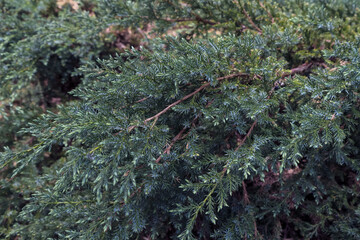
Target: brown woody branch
{"x": 297, "y": 70}
{"x": 300, "y": 69}
{"x": 240, "y": 144}
{"x": 138, "y": 101}
{"x": 245, "y": 193}
{"x": 173, "y": 141}
{"x": 192, "y": 94}
{"x": 176, "y": 103}
{"x": 156, "y": 116}
{"x": 246, "y": 136}
{"x": 199, "y": 19}
{"x": 122, "y": 203}
{"x": 180, "y": 136}
{"x": 269, "y": 14}
{"x": 251, "y": 21}
{"x": 237, "y": 3}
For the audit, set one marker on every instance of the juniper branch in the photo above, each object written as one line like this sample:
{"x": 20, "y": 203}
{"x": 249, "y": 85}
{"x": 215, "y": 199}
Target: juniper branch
{"x": 269, "y": 14}
{"x": 251, "y": 21}
{"x": 192, "y": 94}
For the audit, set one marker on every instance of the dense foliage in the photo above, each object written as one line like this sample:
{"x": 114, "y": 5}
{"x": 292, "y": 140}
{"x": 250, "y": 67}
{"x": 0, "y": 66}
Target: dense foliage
{"x": 175, "y": 119}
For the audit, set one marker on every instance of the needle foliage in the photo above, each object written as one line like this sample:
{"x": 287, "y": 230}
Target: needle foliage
{"x": 225, "y": 120}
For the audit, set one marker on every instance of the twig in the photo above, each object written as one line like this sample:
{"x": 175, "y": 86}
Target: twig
{"x": 247, "y": 135}
{"x": 297, "y": 70}
{"x": 173, "y": 141}
{"x": 255, "y": 229}
{"x": 245, "y": 193}
{"x": 333, "y": 117}
{"x": 122, "y": 203}
{"x": 176, "y": 103}
{"x": 180, "y": 136}
{"x": 199, "y": 19}
{"x": 192, "y": 94}
{"x": 240, "y": 144}
{"x": 181, "y": 100}
{"x": 251, "y": 21}
{"x": 300, "y": 69}
{"x": 269, "y": 14}
{"x": 138, "y": 101}
{"x": 237, "y": 2}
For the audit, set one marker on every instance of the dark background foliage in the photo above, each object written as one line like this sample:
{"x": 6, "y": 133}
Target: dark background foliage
{"x": 179, "y": 119}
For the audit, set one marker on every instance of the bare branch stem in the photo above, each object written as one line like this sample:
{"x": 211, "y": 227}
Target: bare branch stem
{"x": 251, "y": 21}
{"x": 269, "y": 14}
{"x": 192, "y": 94}
{"x": 246, "y": 136}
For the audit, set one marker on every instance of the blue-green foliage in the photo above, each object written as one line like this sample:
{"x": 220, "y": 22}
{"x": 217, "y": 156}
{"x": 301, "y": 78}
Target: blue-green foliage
{"x": 248, "y": 134}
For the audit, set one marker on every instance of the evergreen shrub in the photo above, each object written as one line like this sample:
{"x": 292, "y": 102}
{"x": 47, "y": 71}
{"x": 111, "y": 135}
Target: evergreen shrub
{"x": 245, "y": 125}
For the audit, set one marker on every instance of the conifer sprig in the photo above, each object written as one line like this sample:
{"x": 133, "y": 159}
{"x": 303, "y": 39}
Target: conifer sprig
{"x": 243, "y": 126}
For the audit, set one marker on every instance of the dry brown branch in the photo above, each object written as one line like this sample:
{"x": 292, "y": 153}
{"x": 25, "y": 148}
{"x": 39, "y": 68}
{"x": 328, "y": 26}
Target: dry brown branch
{"x": 300, "y": 69}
